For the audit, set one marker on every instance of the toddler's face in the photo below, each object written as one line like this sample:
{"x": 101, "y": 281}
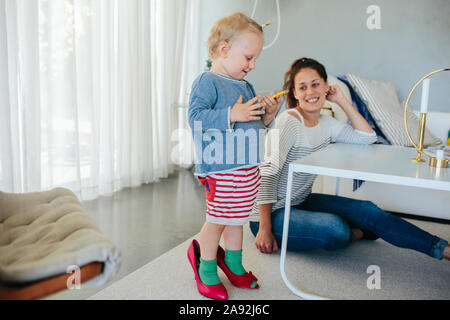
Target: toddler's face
{"x": 241, "y": 56}
{"x": 310, "y": 90}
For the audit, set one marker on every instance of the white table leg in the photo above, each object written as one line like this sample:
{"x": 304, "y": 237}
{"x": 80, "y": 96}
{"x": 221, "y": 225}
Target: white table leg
{"x": 287, "y": 214}
{"x": 338, "y": 182}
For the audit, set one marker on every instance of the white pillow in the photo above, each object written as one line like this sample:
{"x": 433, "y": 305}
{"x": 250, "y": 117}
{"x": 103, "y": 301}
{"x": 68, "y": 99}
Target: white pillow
{"x": 383, "y": 104}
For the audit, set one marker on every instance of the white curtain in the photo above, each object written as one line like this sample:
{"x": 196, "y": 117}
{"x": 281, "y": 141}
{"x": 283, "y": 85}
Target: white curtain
{"x": 90, "y": 91}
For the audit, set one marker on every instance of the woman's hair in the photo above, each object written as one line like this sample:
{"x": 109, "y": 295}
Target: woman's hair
{"x": 229, "y": 27}
{"x": 289, "y": 78}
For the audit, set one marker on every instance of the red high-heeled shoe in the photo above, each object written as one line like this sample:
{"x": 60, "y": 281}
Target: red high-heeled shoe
{"x": 243, "y": 281}
{"x": 217, "y": 291}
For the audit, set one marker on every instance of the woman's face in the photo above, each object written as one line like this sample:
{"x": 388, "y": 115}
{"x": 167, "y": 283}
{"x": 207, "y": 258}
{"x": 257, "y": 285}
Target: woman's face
{"x": 310, "y": 90}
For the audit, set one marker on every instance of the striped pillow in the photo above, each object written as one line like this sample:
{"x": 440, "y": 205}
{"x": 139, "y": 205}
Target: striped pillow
{"x": 384, "y": 106}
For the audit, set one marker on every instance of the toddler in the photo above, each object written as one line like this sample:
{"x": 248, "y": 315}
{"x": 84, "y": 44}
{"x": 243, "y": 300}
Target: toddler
{"x": 228, "y": 122}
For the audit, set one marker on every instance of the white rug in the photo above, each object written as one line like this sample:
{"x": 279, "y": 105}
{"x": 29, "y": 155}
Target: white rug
{"x": 342, "y": 274}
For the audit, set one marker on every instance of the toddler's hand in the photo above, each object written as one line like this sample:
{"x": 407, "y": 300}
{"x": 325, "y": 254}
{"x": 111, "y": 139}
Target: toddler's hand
{"x": 245, "y": 112}
{"x": 271, "y": 106}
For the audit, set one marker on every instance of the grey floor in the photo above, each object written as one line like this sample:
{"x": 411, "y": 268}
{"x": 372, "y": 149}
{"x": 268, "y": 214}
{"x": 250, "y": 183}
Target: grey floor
{"x": 146, "y": 222}
{"x": 344, "y": 274}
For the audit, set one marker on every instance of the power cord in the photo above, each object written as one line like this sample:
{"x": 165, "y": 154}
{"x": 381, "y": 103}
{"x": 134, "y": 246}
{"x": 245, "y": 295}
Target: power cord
{"x": 255, "y": 5}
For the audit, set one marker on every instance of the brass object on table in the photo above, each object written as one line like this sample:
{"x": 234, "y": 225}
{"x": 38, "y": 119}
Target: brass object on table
{"x": 433, "y": 161}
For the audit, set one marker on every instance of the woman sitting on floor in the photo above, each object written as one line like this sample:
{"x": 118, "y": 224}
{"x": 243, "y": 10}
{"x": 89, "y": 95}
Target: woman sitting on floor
{"x": 320, "y": 221}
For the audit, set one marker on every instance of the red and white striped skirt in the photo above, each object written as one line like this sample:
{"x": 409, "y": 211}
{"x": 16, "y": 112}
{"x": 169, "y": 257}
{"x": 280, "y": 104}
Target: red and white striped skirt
{"x": 230, "y": 195}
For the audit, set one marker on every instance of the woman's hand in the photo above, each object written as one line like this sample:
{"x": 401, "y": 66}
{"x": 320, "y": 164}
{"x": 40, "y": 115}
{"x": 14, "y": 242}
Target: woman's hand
{"x": 271, "y": 107}
{"x": 358, "y": 122}
{"x": 336, "y": 95}
{"x": 265, "y": 241}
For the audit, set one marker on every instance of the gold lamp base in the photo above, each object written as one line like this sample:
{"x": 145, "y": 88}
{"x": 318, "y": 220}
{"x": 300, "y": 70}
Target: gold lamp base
{"x": 418, "y": 159}
{"x": 422, "y": 124}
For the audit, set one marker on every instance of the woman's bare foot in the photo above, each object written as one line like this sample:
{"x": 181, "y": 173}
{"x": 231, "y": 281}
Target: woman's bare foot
{"x": 357, "y": 234}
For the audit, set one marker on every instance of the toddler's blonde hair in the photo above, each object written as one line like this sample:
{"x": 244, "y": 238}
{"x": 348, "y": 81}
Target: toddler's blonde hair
{"x": 229, "y": 27}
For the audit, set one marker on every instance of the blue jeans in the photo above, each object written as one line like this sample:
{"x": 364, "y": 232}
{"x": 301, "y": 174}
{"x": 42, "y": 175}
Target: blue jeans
{"x": 325, "y": 222}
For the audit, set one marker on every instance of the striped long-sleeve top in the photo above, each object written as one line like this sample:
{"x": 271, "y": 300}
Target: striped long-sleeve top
{"x": 290, "y": 140}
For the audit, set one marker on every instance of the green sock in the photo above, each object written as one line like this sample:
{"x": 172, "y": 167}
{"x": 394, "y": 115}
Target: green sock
{"x": 233, "y": 260}
{"x": 208, "y": 272}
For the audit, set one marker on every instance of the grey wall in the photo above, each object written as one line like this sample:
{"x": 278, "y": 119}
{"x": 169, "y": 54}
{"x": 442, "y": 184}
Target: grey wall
{"x": 414, "y": 40}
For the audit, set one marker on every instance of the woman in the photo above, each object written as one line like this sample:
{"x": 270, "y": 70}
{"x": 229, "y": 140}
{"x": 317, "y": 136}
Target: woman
{"x": 320, "y": 221}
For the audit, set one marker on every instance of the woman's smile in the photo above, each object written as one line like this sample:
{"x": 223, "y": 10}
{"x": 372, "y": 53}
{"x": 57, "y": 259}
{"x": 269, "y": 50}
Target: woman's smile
{"x": 312, "y": 100}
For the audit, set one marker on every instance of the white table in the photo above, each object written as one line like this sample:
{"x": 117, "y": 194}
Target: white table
{"x": 378, "y": 163}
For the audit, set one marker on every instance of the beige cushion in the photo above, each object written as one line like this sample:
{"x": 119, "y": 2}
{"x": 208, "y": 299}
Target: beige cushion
{"x": 43, "y": 233}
